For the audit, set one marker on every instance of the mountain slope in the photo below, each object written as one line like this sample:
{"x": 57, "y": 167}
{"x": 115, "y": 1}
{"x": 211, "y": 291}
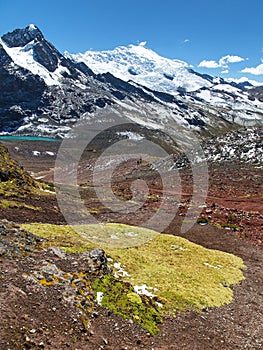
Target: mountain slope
{"x": 44, "y": 92}
{"x": 140, "y": 65}
{"x": 10, "y": 171}
{"x": 145, "y": 67}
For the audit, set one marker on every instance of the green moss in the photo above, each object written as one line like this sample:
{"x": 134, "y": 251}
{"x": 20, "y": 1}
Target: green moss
{"x": 134, "y": 298}
{"x": 62, "y": 236}
{"x": 181, "y": 274}
{"x": 120, "y": 298}
{"x": 83, "y": 237}
{"x": 10, "y": 171}
{"x": 16, "y": 205}
{"x": 16, "y": 183}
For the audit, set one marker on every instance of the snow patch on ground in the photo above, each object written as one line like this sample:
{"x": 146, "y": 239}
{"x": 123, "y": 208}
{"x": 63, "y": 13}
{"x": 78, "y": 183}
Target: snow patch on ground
{"x": 245, "y": 145}
{"x": 131, "y": 135}
{"x": 143, "y": 289}
{"x": 119, "y": 270}
{"x": 36, "y": 153}
{"x": 99, "y": 297}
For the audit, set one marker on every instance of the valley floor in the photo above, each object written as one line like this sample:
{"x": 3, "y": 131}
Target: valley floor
{"x": 234, "y": 212}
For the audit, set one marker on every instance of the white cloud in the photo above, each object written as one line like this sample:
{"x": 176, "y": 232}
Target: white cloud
{"x": 222, "y": 63}
{"x": 225, "y": 71}
{"x": 186, "y": 40}
{"x": 258, "y": 70}
{"x": 229, "y": 59}
{"x": 209, "y": 64}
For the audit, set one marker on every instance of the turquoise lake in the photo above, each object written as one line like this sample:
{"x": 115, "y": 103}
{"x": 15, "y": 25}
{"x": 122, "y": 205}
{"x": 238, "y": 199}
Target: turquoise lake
{"x": 27, "y": 138}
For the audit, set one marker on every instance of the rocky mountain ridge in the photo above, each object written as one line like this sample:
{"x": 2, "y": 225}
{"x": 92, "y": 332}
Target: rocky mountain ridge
{"x": 45, "y": 93}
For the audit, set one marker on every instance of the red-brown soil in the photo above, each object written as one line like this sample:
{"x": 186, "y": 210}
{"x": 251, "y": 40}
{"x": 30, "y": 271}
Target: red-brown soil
{"x": 234, "y": 199}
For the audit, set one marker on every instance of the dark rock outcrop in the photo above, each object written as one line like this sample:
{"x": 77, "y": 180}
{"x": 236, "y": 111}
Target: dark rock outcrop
{"x": 21, "y": 37}
{"x": 46, "y": 54}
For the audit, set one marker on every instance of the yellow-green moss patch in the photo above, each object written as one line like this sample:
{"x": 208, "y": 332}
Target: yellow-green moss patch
{"x": 82, "y": 237}
{"x": 62, "y": 236}
{"x": 16, "y": 205}
{"x": 121, "y": 299}
{"x": 182, "y": 275}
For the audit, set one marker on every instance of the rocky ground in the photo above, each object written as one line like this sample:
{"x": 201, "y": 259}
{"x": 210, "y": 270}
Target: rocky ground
{"x": 234, "y": 199}
{"x": 39, "y": 316}
{"x": 35, "y": 315}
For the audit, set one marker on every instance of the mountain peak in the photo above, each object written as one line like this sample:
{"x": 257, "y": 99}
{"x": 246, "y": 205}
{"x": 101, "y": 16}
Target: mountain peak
{"x": 145, "y": 67}
{"x": 32, "y": 27}
{"x": 29, "y": 49}
{"x": 21, "y": 37}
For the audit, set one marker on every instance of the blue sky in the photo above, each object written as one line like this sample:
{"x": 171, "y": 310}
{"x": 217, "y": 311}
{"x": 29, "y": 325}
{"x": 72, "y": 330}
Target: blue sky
{"x": 225, "y": 35}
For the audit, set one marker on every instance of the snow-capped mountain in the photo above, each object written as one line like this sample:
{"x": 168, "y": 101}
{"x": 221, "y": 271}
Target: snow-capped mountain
{"x": 28, "y": 49}
{"x": 244, "y": 81}
{"x": 43, "y": 92}
{"x": 141, "y": 66}
{"x": 145, "y": 67}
